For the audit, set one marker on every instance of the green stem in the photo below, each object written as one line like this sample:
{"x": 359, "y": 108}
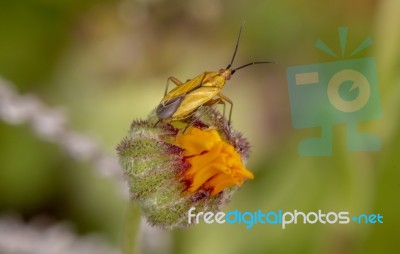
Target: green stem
{"x": 131, "y": 231}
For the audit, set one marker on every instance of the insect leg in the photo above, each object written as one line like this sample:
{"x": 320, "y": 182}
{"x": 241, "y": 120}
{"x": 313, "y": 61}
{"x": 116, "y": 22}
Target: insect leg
{"x": 156, "y": 123}
{"x": 210, "y": 105}
{"x": 214, "y": 102}
{"x": 175, "y": 81}
{"x": 226, "y": 99}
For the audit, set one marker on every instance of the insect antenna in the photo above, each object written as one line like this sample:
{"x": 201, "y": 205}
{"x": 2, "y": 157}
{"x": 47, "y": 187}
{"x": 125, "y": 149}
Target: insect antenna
{"x": 252, "y": 63}
{"x": 234, "y": 54}
{"x": 236, "y": 47}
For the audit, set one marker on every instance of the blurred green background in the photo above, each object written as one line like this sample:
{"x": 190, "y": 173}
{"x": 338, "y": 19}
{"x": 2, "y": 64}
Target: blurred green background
{"x": 106, "y": 63}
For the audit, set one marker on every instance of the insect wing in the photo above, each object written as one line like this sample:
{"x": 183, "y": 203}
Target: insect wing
{"x": 167, "y": 109}
{"x": 184, "y": 88}
{"x": 194, "y": 100}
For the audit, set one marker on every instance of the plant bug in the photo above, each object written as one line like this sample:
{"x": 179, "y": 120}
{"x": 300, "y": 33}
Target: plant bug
{"x": 203, "y": 90}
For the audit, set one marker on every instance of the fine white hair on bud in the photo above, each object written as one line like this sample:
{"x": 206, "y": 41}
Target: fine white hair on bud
{"x": 171, "y": 167}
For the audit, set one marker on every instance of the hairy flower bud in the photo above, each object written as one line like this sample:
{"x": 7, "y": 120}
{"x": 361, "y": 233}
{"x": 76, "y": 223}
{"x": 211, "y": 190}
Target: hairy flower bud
{"x": 170, "y": 168}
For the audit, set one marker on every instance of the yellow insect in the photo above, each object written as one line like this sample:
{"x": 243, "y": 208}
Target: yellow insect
{"x": 203, "y": 90}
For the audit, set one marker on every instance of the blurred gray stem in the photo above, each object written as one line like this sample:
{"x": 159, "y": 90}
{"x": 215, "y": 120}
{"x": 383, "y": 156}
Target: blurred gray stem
{"x": 51, "y": 124}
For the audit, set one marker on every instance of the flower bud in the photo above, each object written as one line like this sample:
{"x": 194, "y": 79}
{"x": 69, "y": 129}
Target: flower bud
{"x": 171, "y": 167}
